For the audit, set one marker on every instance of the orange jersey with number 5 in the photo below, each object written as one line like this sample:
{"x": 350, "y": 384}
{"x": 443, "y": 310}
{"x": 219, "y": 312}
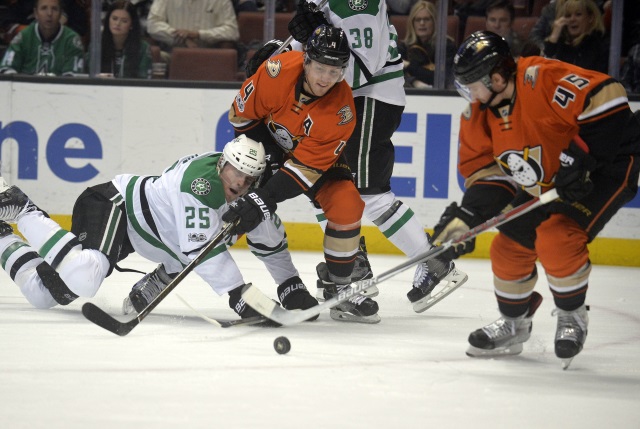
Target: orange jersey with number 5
{"x": 312, "y": 130}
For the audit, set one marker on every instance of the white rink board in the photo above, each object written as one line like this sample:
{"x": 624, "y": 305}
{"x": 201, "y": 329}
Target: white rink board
{"x": 108, "y": 130}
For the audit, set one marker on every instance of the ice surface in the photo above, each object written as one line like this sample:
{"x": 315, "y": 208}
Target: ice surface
{"x": 57, "y": 370}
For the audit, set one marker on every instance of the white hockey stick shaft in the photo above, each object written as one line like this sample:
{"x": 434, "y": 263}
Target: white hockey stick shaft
{"x": 268, "y": 308}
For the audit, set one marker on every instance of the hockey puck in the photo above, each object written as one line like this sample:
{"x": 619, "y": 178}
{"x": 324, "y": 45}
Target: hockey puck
{"x": 282, "y": 345}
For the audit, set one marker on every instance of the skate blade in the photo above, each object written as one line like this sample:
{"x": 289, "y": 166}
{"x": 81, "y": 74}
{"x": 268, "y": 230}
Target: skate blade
{"x": 514, "y": 349}
{"x": 371, "y": 292}
{"x": 565, "y": 363}
{"x": 348, "y": 317}
{"x": 455, "y": 279}
{"x": 127, "y": 306}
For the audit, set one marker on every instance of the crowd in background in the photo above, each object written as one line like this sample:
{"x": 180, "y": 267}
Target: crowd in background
{"x": 136, "y": 34}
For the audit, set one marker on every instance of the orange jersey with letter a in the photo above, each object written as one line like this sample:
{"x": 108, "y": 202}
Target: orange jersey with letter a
{"x": 313, "y": 130}
{"x": 553, "y": 102}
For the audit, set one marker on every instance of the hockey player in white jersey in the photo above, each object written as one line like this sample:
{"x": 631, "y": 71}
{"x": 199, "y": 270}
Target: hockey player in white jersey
{"x": 167, "y": 219}
{"x": 375, "y": 74}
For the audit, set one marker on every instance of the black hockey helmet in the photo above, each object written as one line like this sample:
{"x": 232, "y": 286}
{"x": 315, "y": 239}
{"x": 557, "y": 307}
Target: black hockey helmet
{"x": 328, "y": 45}
{"x": 480, "y": 55}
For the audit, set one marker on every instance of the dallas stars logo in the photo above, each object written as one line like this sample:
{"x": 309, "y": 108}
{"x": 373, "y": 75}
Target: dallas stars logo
{"x": 358, "y": 5}
{"x": 200, "y": 186}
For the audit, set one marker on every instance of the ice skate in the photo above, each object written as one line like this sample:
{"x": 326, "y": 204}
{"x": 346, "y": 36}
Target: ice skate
{"x": 571, "y": 333}
{"x": 13, "y": 203}
{"x": 358, "y": 308}
{"x": 427, "y": 276}
{"x": 506, "y": 335}
{"x": 361, "y": 271}
{"x": 5, "y": 229}
{"x": 146, "y": 290}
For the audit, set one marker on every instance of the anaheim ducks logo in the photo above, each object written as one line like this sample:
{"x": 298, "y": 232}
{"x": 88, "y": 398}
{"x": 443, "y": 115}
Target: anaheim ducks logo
{"x": 346, "y": 115}
{"x": 525, "y": 166}
{"x": 283, "y": 137}
{"x": 358, "y": 5}
{"x": 531, "y": 75}
{"x": 273, "y": 67}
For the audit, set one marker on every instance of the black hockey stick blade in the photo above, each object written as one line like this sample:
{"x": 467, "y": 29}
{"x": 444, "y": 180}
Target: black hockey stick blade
{"x": 98, "y": 316}
{"x": 268, "y": 307}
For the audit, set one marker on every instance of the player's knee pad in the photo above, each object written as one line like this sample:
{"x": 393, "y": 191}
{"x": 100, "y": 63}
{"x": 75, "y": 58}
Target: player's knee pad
{"x": 341, "y": 202}
{"x": 378, "y": 208}
{"x": 561, "y": 246}
{"x": 510, "y": 260}
{"x": 83, "y": 271}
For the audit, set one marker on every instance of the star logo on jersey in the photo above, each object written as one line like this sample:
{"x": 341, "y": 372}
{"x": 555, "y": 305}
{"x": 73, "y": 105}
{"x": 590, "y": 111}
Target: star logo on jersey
{"x": 273, "y": 68}
{"x": 358, "y": 5}
{"x": 525, "y": 167}
{"x": 346, "y": 115}
{"x": 200, "y": 186}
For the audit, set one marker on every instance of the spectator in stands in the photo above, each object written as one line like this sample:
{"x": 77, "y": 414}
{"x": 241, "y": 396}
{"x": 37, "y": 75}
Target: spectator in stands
{"x": 45, "y": 47}
{"x": 203, "y": 23}
{"x": 630, "y": 76}
{"x": 578, "y": 36}
{"x": 124, "y": 53}
{"x": 500, "y": 15}
{"x": 418, "y": 49}
{"x": 542, "y": 27}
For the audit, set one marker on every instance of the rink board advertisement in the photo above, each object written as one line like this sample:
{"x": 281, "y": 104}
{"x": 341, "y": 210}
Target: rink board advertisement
{"x": 59, "y": 138}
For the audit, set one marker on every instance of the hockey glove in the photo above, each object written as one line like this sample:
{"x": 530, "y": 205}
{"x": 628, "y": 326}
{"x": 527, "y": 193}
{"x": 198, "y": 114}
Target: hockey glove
{"x": 572, "y": 179}
{"x": 453, "y": 223}
{"x": 262, "y": 55}
{"x": 305, "y": 21}
{"x": 250, "y": 209}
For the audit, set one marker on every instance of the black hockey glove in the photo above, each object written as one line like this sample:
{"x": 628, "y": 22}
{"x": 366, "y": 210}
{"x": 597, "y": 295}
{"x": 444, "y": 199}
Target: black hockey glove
{"x": 572, "y": 179}
{"x": 305, "y": 21}
{"x": 250, "y": 209}
{"x": 454, "y": 222}
{"x": 262, "y": 55}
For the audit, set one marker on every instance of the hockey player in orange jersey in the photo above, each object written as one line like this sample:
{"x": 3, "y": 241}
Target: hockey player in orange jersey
{"x": 298, "y": 105}
{"x": 530, "y": 127}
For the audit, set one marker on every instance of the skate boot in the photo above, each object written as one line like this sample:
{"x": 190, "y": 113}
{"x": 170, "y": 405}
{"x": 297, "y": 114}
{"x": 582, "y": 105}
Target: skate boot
{"x": 506, "y": 335}
{"x": 571, "y": 333}
{"x": 428, "y": 275}
{"x": 5, "y": 229}
{"x": 146, "y": 290}
{"x": 361, "y": 271}
{"x": 358, "y": 308}
{"x": 14, "y": 203}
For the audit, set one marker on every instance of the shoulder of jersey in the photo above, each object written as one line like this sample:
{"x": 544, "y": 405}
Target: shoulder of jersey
{"x": 280, "y": 64}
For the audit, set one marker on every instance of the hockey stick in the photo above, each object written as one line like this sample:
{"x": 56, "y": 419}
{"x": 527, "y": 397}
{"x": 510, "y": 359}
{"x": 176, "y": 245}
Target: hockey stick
{"x": 290, "y": 38}
{"x": 224, "y": 323}
{"x": 98, "y": 316}
{"x": 268, "y": 308}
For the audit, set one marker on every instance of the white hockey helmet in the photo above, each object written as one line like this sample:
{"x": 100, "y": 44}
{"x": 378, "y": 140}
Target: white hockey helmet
{"x": 246, "y": 155}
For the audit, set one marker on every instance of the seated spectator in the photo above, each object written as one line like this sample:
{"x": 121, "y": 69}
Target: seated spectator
{"x": 205, "y": 24}
{"x": 630, "y": 77}
{"x": 500, "y": 15}
{"x": 418, "y": 49}
{"x": 45, "y": 47}
{"x": 124, "y": 53}
{"x": 578, "y": 36}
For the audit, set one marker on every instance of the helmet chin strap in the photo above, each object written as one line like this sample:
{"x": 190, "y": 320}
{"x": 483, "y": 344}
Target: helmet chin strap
{"x": 494, "y": 94}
